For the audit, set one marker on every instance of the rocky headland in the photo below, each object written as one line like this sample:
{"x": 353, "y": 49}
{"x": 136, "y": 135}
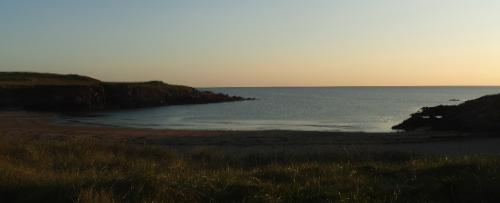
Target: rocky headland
{"x": 479, "y": 115}
{"x": 54, "y": 92}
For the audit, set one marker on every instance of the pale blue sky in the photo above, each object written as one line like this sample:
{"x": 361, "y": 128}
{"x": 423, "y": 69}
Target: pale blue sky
{"x": 257, "y": 42}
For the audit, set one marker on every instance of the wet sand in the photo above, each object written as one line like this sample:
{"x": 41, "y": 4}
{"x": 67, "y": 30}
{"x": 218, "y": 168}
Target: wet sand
{"x": 28, "y": 125}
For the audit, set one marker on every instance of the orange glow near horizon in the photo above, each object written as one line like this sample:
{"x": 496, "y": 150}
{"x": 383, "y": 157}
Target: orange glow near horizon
{"x": 264, "y": 43}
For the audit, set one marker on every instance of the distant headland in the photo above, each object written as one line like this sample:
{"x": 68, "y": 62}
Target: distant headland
{"x": 63, "y": 93}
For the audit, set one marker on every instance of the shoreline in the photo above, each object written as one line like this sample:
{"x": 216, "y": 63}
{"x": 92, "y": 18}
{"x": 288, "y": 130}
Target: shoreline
{"x": 30, "y": 125}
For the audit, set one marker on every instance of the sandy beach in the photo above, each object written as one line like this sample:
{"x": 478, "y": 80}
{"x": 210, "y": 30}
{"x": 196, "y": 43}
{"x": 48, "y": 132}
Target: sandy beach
{"x": 30, "y": 125}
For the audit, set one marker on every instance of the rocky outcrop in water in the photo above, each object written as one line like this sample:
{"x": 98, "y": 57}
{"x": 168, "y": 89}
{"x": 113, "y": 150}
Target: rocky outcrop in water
{"x": 481, "y": 114}
{"x": 53, "y": 92}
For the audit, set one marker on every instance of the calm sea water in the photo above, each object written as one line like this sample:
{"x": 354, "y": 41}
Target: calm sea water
{"x": 369, "y": 109}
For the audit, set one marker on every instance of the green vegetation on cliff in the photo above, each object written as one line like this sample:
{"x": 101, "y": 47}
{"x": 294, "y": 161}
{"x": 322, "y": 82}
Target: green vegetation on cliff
{"x": 53, "y": 92}
{"x": 101, "y": 170}
{"x": 33, "y": 79}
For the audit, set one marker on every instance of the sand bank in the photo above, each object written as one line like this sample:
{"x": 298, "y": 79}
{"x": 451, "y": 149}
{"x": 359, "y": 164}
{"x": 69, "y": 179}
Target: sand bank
{"x": 46, "y": 126}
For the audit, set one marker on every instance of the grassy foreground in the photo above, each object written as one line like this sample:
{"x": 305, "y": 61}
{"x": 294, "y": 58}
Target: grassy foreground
{"x": 88, "y": 170}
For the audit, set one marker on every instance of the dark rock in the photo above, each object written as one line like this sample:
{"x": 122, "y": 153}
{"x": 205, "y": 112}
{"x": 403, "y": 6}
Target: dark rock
{"x": 481, "y": 114}
{"x": 52, "y": 92}
{"x": 54, "y": 97}
{"x": 132, "y": 95}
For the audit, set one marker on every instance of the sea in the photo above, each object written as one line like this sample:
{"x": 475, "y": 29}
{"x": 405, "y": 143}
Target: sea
{"x": 346, "y": 109}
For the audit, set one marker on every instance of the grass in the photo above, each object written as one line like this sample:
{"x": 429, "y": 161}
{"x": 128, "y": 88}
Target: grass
{"x": 31, "y": 79}
{"x": 91, "y": 170}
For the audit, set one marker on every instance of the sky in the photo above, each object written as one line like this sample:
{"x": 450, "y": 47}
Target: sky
{"x": 229, "y": 43}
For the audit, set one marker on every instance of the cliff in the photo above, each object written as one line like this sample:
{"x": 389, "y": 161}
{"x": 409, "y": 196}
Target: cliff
{"x": 481, "y": 114}
{"x": 155, "y": 93}
{"x": 53, "y": 92}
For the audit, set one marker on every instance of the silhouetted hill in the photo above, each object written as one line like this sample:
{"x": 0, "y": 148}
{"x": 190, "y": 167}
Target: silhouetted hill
{"x": 55, "y": 92}
{"x": 481, "y": 114}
